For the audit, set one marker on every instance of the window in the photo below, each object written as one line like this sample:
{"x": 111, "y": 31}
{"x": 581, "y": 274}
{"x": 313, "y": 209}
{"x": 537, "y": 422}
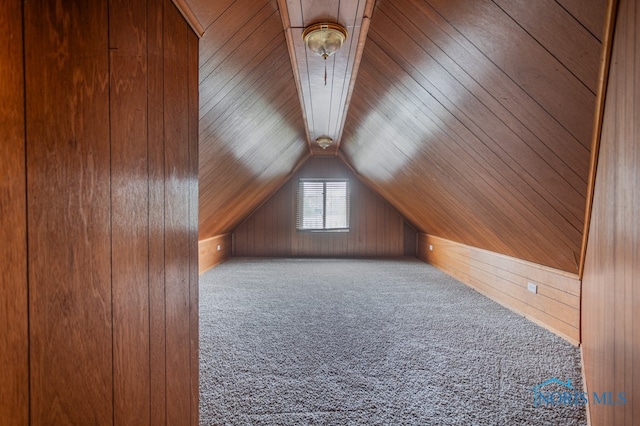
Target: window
{"x": 323, "y": 205}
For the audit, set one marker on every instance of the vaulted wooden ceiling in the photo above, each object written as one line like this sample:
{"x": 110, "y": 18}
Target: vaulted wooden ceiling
{"x": 252, "y": 131}
{"x": 473, "y": 118}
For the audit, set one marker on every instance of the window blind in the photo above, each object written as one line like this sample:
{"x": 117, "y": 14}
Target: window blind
{"x": 323, "y": 204}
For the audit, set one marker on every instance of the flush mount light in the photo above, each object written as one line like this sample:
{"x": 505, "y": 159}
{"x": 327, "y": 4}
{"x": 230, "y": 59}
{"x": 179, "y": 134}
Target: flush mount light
{"x": 324, "y": 142}
{"x": 324, "y": 38}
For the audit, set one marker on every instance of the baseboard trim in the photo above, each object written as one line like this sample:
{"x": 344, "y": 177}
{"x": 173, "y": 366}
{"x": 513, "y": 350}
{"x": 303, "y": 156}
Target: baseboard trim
{"x": 555, "y": 305}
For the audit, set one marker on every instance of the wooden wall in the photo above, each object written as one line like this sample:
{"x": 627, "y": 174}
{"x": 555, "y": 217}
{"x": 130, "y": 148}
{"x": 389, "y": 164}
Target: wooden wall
{"x": 100, "y": 194}
{"x": 611, "y": 279}
{"x": 14, "y": 348}
{"x": 556, "y": 305}
{"x": 376, "y": 228}
{"x": 213, "y": 251}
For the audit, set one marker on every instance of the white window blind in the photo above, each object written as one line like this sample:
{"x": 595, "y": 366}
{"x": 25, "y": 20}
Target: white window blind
{"x": 323, "y": 204}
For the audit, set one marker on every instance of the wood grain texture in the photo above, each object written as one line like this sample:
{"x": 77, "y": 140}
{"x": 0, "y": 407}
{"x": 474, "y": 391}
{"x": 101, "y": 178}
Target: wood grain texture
{"x": 603, "y": 78}
{"x": 111, "y": 194}
{"x": 208, "y": 253}
{"x": 178, "y": 181}
{"x": 467, "y": 133}
{"x": 194, "y": 313}
{"x": 189, "y": 16}
{"x": 157, "y": 274}
{"x": 208, "y": 12}
{"x": 589, "y": 13}
{"x": 556, "y": 305}
{"x": 325, "y": 84}
{"x": 14, "y": 352}
{"x": 251, "y": 129}
{"x": 68, "y": 187}
{"x": 611, "y": 298}
{"x": 560, "y": 33}
{"x": 376, "y": 228}
{"x": 524, "y": 60}
{"x": 129, "y": 211}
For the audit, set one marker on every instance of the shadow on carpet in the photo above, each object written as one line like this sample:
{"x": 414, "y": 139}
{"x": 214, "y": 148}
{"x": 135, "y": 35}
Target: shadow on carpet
{"x": 371, "y": 342}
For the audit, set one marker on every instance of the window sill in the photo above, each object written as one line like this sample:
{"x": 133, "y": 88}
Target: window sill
{"x": 324, "y": 231}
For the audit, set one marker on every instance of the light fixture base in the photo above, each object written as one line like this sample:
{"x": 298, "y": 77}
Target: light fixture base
{"x": 324, "y": 142}
{"x": 324, "y": 38}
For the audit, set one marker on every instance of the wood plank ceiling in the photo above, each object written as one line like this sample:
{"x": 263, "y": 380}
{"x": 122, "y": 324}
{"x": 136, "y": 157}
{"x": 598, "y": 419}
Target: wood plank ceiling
{"x": 472, "y": 117}
{"x": 325, "y": 86}
{"x": 251, "y": 127}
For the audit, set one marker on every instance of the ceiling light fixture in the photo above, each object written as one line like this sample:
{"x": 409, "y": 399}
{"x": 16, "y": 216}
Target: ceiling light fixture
{"x": 324, "y": 39}
{"x": 324, "y": 142}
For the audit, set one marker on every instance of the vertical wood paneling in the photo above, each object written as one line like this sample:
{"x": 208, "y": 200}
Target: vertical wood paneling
{"x": 194, "y": 336}
{"x": 156, "y": 147}
{"x": 376, "y": 229}
{"x": 189, "y": 16}
{"x": 14, "y": 357}
{"x": 556, "y": 305}
{"x": 410, "y": 240}
{"x": 177, "y": 231}
{"x": 130, "y": 211}
{"x": 68, "y": 187}
{"x": 114, "y": 214}
{"x": 611, "y": 302}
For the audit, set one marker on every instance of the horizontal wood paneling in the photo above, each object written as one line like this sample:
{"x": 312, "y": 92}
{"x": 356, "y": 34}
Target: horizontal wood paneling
{"x": 14, "y": 347}
{"x": 555, "y": 306}
{"x": 251, "y": 127}
{"x": 213, "y": 251}
{"x": 611, "y": 291}
{"x": 376, "y": 228}
{"x": 474, "y": 122}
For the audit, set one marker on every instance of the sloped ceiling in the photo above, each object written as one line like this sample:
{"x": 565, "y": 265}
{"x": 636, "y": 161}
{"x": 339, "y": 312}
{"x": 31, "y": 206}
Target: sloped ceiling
{"x": 474, "y": 119}
{"x": 251, "y": 126}
{"x": 471, "y": 117}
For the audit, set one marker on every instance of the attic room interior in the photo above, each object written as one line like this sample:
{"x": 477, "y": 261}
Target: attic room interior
{"x": 146, "y": 142}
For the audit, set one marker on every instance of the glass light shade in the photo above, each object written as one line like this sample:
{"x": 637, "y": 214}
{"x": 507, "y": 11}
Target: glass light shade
{"x": 324, "y": 142}
{"x": 324, "y": 39}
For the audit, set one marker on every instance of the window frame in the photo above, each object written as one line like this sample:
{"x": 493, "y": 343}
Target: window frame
{"x": 300, "y": 202}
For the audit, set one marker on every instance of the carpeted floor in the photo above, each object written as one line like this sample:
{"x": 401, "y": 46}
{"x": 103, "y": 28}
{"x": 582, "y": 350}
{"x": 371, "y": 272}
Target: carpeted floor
{"x": 369, "y": 342}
